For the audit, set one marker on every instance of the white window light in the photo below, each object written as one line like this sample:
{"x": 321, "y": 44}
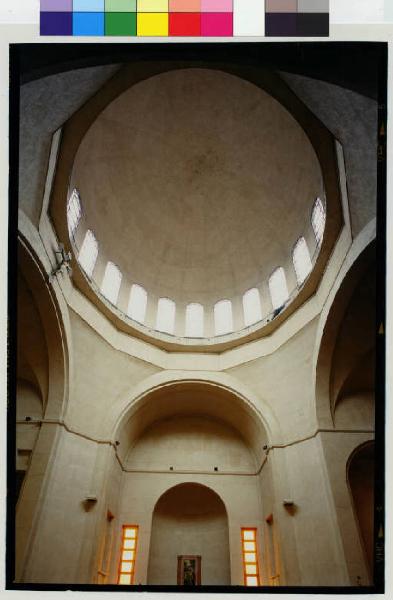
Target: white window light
{"x": 166, "y": 312}
{"x": 318, "y": 219}
{"x": 301, "y": 260}
{"x": 223, "y": 317}
{"x": 252, "y": 307}
{"x": 194, "y": 320}
{"x": 74, "y": 212}
{"x": 278, "y": 288}
{"x": 88, "y": 253}
{"x": 137, "y": 303}
{"x": 111, "y": 282}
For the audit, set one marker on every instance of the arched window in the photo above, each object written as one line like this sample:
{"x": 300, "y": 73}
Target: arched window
{"x": 110, "y": 286}
{"x": 301, "y": 260}
{"x": 223, "y": 317}
{"x": 194, "y": 320}
{"x": 137, "y": 303}
{"x": 88, "y": 253}
{"x": 166, "y": 312}
{"x": 278, "y": 288}
{"x": 318, "y": 219}
{"x": 252, "y": 307}
{"x": 74, "y": 212}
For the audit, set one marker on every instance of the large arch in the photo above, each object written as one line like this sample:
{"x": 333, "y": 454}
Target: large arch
{"x": 245, "y": 399}
{"x": 189, "y": 519}
{"x": 49, "y": 375}
{"x": 360, "y": 478}
{"x": 357, "y": 263}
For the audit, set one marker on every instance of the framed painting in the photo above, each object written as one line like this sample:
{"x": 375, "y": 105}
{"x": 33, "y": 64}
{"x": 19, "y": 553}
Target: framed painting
{"x": 189, "y": 570}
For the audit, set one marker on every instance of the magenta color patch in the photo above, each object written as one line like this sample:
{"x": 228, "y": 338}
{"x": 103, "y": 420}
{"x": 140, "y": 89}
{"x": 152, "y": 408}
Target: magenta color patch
{"x": 216, "y": 6}
{"x": 217, "y": 24}
{"x": 56, "y": 5}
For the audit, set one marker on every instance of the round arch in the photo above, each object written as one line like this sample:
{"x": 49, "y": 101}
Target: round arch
{"x": 189, "y": 538}
{"x": 220, "y": 384}
{"x": 359, "y": 259}
{"x": 360, "y": 480}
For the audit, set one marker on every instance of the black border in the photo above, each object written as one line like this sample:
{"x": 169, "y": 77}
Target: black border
{"x": 357, "y": 68}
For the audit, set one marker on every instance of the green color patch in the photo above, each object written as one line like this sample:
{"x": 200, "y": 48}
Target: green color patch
{"x": 120, "y": 5}
{"x": 120, "y": 23}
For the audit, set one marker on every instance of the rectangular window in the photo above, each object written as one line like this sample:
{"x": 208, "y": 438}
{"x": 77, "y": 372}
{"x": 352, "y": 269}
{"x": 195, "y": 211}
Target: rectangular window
{"x": 128, "y": 554}
{"x": 250, "y": 556}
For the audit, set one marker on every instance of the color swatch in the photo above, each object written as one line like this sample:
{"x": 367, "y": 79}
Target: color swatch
{"x": 144, "y": 18}
{"x": 297, "y": 18}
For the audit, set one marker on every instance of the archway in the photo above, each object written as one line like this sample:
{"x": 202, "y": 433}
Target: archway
{"x": 360, "y": 476}
{"x": 189, "y": 520}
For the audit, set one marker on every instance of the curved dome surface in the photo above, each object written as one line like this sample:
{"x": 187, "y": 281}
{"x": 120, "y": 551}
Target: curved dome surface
{"x": 197, "y": 184}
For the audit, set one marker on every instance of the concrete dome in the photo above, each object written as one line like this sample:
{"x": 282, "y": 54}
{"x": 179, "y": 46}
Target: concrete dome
{"x": 196, "y": 184}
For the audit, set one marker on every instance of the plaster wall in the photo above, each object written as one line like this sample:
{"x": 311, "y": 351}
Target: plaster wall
{"x": 189, "y": 519}
{"x": 140, "y": 492}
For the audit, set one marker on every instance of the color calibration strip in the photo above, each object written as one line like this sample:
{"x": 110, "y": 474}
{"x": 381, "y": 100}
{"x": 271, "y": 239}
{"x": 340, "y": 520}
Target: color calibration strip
{"x": 297, "y": 18}
{"x": 199, "y": 18}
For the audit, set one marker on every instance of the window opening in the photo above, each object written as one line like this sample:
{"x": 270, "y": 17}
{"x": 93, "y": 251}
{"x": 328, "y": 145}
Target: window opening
{"x": 250, "y": 556}
{"x": 318, "y": 220}
{"x": 252, "y": 307}
{"x": 166, "y": 312}
{"x": 278, "y": 288}
{"x": 223, "y": 317}
{"x": 128, "y": 554}
{"x": 301, "y": 260}
{"x": 88, "y": 253}
{"x": 194, "y": 320}
{"x": 137, "y": 303}
{"x": 74, "y": 212}
{"x": 111, "y": 283}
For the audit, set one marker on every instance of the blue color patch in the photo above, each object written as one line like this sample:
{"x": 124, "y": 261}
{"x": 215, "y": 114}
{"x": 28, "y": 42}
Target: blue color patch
{"x": 85, "y": 23}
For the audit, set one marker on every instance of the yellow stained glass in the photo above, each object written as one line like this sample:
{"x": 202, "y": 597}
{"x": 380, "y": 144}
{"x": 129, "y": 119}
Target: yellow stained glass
{"x": 128, "y": 555}
{"x": 129, "y": 544}
{"x": 251, "y": 570}
{"x": 249, "y": 546}
{"x": 250, "y": 557}
{"x": 248, "y": 534}
{"x": 251, "y": 580}
{"x": 125, "y": 579}
{"x": 126, "y": 567}
{"x": 130, "y": 532}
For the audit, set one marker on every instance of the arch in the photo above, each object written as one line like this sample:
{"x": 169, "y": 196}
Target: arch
{"x": 360, "y": 480}
{"x": 223, "y": 319}
{"x": 137, "y": 303}
{"x": 111, "y": 282}
{"x": 357, "y": 262}
{"x": 166, "y": 314}
{"x": 252, "y": 306}
{"x": 278, "y": 288}
{"x": 258, "y": 410}
{"x": 74, "y": 212}
{"x": 194, "y": 320}
{"x": 301, "y": 260}
{"x": 318, "y": 220}
{"x": 87, "y": 256}
{"x": 189, "y": 519}
{"x": 35, "y": 268}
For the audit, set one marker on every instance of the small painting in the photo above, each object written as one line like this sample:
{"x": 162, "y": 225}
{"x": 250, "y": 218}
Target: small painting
{"x": 189, "y": 570}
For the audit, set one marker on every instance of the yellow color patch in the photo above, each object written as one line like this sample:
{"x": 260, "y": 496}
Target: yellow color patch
{"x": 152, "y": 24}
{"x": 154, "y": 6}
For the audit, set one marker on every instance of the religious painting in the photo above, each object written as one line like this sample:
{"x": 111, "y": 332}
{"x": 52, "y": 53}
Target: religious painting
{"x": 189, "y": 570}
